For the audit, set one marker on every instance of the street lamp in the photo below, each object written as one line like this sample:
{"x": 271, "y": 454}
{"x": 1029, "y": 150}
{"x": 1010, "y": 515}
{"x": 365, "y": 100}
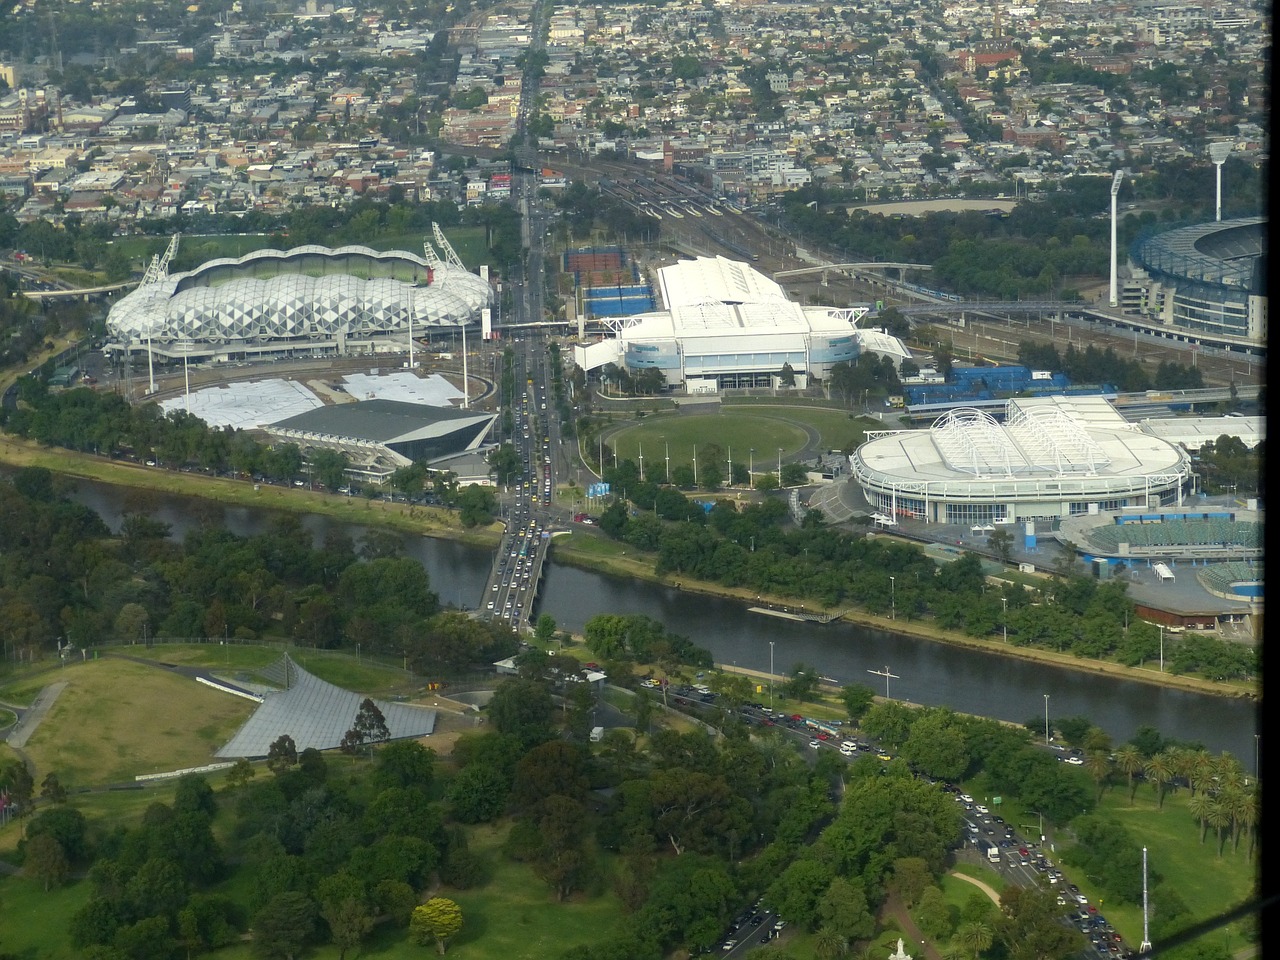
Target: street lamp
{"x": 641, "y": 462}
{"x": 730, "y": 466}
{"x": 770, "y": 674}
{"x": 751, "y": 465}
{"x": 695, "y": 464}
{"x": 1046, "y": 719}
{"x": 1004, "y": 622}
{"x": 667, "y": 456}
{"x": 886, "y": 674}
{"x": 1161, "y": 647}
{"x": 893, "y": 600}
{"x": 779, "y": 466}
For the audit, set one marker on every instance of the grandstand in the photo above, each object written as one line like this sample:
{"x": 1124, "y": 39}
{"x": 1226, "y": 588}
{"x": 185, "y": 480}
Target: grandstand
{"x": 1175, "y": 534}
{"x": 1234, "y": 580}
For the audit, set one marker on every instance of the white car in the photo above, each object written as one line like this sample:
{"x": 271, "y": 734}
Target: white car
{"x": 965, "y": 798}
{"x": 814, "y": 744}
{"x": 982, "y": 810}
{"x": 1074, "y": 761}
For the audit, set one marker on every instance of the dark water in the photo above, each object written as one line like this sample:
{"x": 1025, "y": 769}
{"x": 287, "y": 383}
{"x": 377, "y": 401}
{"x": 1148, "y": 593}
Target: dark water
{"x": 922, "y": 672}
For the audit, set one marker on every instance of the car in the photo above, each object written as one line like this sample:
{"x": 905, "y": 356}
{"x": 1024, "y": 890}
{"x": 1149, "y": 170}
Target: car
{"x": 779, "y": 924}
{"x": 884, "y": 756}
{"x": 729, "y": 945}
{"x": 823, "y": 736}
{"x": 766, "y": 936}
{"x": 982, "y": 810}
{"x": 814, "y": 744}
{"x": 1023, "y": 851}
{"x": 965, "y": 798}
{"x": 1091, "y": 908}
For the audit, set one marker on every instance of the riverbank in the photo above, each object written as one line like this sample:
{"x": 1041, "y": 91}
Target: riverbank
{"x": 628, "y": 564}
{"x": 408, "y": 518}
{"x": 585, "y": 552}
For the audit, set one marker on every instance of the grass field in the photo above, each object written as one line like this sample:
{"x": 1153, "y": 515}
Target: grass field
{"x": 741, "y": 429}
{"x": 117, "y": 719}
{"x": 468, "y": 242}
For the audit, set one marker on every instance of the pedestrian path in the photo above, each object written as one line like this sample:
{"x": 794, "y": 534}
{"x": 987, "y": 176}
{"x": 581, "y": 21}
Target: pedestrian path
{"x": 31, "y": 718}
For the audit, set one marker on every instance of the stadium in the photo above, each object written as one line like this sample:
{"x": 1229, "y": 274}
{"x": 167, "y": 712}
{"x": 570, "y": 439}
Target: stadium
{"x": 310, "y": 300}
{"x": 726, "y": 325}
{"x": 1208, "y": 279}
{"x": 1052, "y": 457}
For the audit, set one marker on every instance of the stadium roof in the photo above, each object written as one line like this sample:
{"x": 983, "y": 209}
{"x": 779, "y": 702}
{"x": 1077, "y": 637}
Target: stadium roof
{"x": 382, "y": 421}
{"x": 969, "y": 451}
{"x": 1223, "y": 252}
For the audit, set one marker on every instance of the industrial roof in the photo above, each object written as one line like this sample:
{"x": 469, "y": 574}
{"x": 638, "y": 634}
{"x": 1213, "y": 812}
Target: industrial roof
{"x": 1195, "y": 432}
{"x": 381, "y": 421}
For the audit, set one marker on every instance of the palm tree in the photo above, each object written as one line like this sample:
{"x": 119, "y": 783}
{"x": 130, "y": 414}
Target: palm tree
{"x": 1099, "y": 766}
{"x": 1199, "y": 808}
{"x": 1219, "y": 818}
{"x": 1234, "y": 800}
{"x": 1227, "y": 770}
{"x": 976, "y": 935}
{"x": 1249, "y": 819}
{"x": 953, "y": 952}
{"x": 1200, "y": 770}
{"x": 829, "y": 945}
{"x": 1180, "y": 764}
{"x": 1129, "y": 760}
{"x": 1159, "y": 770}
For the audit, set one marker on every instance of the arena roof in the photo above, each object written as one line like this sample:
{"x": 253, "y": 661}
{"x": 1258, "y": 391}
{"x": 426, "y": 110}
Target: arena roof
{"x": 1224, "y": 253}
{"x": 382, "y": 421}
{"x": 1038, "y": 448}
{"x": 357, "y": 291}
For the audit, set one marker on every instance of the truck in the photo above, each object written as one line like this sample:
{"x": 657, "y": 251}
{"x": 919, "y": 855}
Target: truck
{"x": 990, "y": 849}
{"x": 597, "y": 734}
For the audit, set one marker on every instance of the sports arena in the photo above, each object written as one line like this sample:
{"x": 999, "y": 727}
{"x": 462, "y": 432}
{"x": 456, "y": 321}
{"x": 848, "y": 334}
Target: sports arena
{"x": 310, "y": 301}
{"x": 726, "y": 325}
{"x": 1209, "y": 279}
{"x": 1051, "y": 457}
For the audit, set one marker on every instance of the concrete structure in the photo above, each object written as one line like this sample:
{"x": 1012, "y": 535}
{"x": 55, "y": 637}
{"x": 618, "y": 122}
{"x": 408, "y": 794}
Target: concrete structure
{"x": 1052, "y": 457}
{"x": 1209, "y": 278}
{"x": 309, "y": 300}
{"x": 727, "y": 325}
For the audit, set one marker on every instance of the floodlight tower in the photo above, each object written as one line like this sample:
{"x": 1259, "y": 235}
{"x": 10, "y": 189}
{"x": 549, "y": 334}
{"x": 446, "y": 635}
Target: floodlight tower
{"x": 1218, "y": 153}
{"x": 1145, "y": 946}
{"x": 1115, "y": 191}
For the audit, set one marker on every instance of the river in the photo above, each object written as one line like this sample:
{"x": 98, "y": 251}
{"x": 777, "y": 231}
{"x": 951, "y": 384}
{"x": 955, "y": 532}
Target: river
{"x": 921, "y": 671}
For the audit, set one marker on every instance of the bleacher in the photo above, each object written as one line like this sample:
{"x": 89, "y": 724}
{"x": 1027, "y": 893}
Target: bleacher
{"x": 1219, "y": 531}
{"x": 1239, "y": 578}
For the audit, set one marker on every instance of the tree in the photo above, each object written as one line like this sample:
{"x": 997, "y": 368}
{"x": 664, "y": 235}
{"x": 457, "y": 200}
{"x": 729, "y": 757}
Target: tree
{"x": 1129, "y": 762}
{"x": 345, "y": 909}
{"x": 934, "y": 914}
{"x": 51, "y": 789}
{"x": 857, "y": 699}
{"x": 240, "y": 774}
{"x": 545, "y": 629}
{"x": 370, "y": 723}
{"x": 45, "y": 861}
{"x": 976, "y": 936}
{"x": 282, "y": 755}
{"x": 284, "y": 926}
{"x": 437, "y": 921}
{"x": 522, "y": 708}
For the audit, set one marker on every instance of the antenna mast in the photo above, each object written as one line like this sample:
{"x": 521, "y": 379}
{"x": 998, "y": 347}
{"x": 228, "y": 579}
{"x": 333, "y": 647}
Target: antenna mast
{"x": 1145, "y": 946}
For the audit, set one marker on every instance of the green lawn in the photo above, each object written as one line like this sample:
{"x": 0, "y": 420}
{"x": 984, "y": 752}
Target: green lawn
{"x": 677, "y": 436}
{"x": 34, "y": 925}
{"x": 117, "y": 719}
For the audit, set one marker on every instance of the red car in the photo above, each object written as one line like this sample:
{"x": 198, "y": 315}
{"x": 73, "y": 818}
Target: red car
{"x": 823, "y": 736}
{"x": 1023, "y": 851}
{"x": 796, "y": 716}
{"x": 1091, "y": 908}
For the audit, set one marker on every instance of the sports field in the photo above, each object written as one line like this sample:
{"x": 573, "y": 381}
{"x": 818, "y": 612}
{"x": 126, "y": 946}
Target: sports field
{"x": 800, "y": 432}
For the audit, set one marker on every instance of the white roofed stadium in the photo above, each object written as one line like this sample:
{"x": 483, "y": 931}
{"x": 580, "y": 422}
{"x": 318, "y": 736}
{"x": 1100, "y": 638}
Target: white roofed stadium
{"x": 1052, "y": 457}
{"x": 308, "y": 300}
{"x": 727, "y": 325}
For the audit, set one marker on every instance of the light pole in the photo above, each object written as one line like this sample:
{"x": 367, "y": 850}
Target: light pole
{"x": 667, "y": 456}
{"x": 1004, "y": 622}
{"x": 1046, "y": 719}
{"x": 886, "y": 674}
{"x": 751, "y": 465}
{"x": 695, "y": 464}
{"x": 641, "y": 462}
{"x": 730, "y": 462}
{"x": 1161, "y": 647}
{"x": 779, "y": 466}
{"x": 893, "y": 601}
{"x": 770, "y": 674}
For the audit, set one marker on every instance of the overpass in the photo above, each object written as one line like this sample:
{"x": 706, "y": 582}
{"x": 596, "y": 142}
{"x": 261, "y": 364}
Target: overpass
{"x": 854, "y": 268}
{"x": 84, "y": 292}
{"x": 1131, "y": 406}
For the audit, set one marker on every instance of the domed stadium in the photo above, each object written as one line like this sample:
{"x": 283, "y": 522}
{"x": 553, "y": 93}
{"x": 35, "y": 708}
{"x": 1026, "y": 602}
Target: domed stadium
{"x": 310, "y": 300}
{"x": 1209, "y": 278}
{"x": 1052, "y": 457}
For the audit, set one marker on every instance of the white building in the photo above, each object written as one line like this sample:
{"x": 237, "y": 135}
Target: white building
{"x": 727, "y": 325}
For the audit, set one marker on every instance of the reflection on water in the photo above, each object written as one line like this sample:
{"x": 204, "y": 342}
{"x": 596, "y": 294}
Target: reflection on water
{"x": 928, "y": 673}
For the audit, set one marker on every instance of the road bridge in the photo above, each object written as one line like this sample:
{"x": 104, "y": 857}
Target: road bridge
{"x": 82, "y": 292}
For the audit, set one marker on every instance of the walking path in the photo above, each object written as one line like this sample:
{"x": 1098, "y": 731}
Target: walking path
{"x": 25, "y": 727}
{"x": 995, "y": 897}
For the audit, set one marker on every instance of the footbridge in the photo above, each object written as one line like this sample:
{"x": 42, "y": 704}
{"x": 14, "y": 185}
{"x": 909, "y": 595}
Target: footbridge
{"x": 851, "y": 268}
{"x": 83, "y": 293}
